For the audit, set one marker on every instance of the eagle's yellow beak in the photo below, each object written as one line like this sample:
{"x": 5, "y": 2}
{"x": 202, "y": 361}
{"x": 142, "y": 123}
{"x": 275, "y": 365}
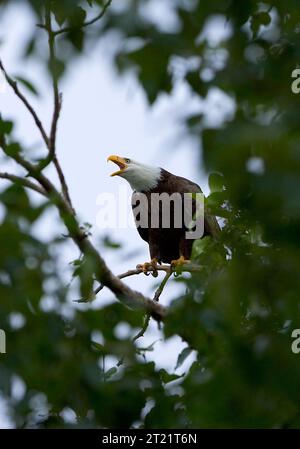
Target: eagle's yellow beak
{"x": 120, "y": 161}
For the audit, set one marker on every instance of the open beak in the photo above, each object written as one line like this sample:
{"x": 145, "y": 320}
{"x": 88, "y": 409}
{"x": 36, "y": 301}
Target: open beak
{"x": 120, "y": 161}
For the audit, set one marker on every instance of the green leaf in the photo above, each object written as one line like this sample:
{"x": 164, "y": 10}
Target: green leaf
{"x": 60, "y": 11}
{"x": 110, "y": 372}
{"x": 78, "y": 16}
{"x": 28, "y": 85}
{"x": 194, "y": 120}
{"x": 200, "y": 246}
{"x": 183, "y": 356}
{"x": 16, "y": 199}
{"x": 215, "y": 204}
{"x": 152, "y": 61}
{"x": 167, "y": 377}
{"x": 57, "y": 68}
{"x": 196, "y": 83}
{"x": 98, "y": 347}
{"x": 259, "y": 19}
{"x": 6, "y": 127}
{"x": 30, "y": 46}
{"x": 109, "y": 243}
{"x": 264, "y": 18}
{"x": 84, "y": 269}
{"x": 13, "y": 149}
{"x": 76, "y": 37}
{"x": 216, "y": 182}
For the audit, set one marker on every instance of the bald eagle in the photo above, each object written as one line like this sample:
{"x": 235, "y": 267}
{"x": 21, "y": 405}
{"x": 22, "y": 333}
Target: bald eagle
{"x": 166, "y": 244}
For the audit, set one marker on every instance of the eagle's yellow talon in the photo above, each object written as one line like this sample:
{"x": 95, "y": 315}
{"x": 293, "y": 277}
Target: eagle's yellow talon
{"x": 179, "y": 262}
{"x": 149, "y": 268}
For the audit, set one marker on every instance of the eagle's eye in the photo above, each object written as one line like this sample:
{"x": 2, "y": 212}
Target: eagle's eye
{"x": 127, "y": 161}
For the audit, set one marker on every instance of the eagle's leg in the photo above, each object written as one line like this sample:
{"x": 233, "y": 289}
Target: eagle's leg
{"x": 149, "y": 267}
{"x": 185, "y": 251}
{"x": 179, "y": 262}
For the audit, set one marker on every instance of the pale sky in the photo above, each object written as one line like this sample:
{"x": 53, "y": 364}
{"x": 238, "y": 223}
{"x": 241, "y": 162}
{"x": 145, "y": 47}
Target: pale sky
{"x": 104, "y": 114}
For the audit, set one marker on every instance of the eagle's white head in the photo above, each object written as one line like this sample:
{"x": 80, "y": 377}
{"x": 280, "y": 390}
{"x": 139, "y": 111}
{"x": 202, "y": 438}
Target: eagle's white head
{"x": 141, "y": 177}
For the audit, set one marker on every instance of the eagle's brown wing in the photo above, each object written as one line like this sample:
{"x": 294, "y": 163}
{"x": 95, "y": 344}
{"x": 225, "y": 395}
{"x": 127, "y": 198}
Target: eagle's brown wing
{"x": 183, "y": 185}
{"x": 167, "y": 244}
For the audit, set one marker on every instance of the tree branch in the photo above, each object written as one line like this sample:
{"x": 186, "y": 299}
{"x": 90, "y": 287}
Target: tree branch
{"x": 162, "y": 286}
{"x": 13, "y": 84}
{"x": 156, "y": 298}
{"x": 23, "y": 181}
{"x": 56, "y": 95}
{"x": 62, "y": 179}
{"x": 50, "y": 142}
{"x": 57, "y": 100}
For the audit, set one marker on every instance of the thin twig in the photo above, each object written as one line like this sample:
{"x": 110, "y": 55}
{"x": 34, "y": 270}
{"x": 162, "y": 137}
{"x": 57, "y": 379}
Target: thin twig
{"x": 134, "y": 272}
{"x": 50, "y": 142}
{"x": 155, "y": 298}
{"x": 162, "y": 286}
{"x": 56, "y": 112}
{"x": 85, "y": 24}
{"x": 13, "y": 84}
{"x": 23, "y": 181}
{"x": 64, "y": 185}
{"x": 56, "y": 95}
{"x": 57, "y": 100}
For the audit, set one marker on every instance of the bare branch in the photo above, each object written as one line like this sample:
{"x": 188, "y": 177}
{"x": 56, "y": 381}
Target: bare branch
{"x": 85, "y": 24}
{"x": 156, "y": 298}
{"x": 56, "y": 95}
{"x": 64, "y": 185}
{"x": 162, "y": 286}
{"x": 23, "y": 181}
{"x": 13, "y": 84}
{"x": 50, "y": 142}
{"x": 57, "y": 100}
{"x": 56, "y": 112}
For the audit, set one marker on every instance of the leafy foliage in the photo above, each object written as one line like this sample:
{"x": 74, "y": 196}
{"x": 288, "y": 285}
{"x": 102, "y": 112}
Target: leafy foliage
{"x": 239, "y": 311}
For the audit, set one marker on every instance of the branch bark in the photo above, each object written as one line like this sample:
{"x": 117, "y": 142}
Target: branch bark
{"x": 57, "y": 104}
{"x": 162, "y": 286}
{"x": 23, "y": 181}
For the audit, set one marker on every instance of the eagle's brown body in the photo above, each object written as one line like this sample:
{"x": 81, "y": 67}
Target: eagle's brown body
{"x": 168, "y": 244}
